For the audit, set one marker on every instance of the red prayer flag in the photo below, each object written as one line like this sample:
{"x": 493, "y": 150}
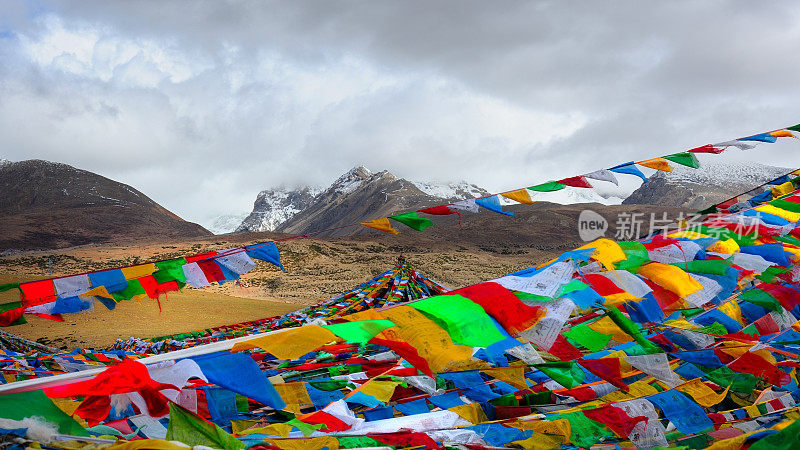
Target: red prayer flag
{"x": 441, "y": 210}
{"x": 37, "y": 293}
{"x": 564, "y": 350}
{"x": 601, "y": 284}
{"x": 579, "y": 181}
{"x": 615, "y": 418}
{"x": 211, "y": 270}
{"x": 200, "y": 257}
{"x": 154, "y": 289}
{"x": 332, "y": 423}
{"x": 607, "y": 369}
{"x": 126, "y": 376}
{"x": 756, "y": 365}
{"x": 10, "y": 316}
{"x": 708, "y": 148}
{"x": 512, "y": 314}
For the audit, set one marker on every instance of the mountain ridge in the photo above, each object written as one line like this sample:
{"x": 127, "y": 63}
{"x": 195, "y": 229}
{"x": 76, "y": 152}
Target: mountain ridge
{"x": 349, "y": 199}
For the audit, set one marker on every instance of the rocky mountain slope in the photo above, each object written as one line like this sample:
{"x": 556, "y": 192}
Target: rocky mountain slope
{"x": 698, "y": 188}
{"x": 275, "y": 206}
{"x": 47, "y": 205}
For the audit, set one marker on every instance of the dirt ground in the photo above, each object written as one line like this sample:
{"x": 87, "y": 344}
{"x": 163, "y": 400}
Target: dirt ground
{"x": 316, "y": 269}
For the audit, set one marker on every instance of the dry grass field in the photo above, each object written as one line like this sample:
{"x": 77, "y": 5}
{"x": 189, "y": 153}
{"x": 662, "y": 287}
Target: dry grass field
{"x": 483, "y": 248}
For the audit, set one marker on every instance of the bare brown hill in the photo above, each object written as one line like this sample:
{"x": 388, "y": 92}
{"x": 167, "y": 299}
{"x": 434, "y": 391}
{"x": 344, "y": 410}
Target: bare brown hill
{"x": 47, "y": 205}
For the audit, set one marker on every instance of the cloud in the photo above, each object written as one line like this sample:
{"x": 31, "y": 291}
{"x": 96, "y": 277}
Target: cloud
{"x": 202, "y": 104}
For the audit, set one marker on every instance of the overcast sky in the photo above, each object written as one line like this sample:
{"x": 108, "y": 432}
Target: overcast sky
{"x": 201, "y": 104}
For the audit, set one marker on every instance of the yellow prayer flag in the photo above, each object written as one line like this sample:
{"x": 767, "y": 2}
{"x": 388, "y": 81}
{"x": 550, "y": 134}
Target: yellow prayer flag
{"x": 782, "y": 189}
{"x": 429, "y": 339}
{"x": 734, "y": 443}
{"x": 142, "y": 270}
{"x": 557, "y": 427}
{"x": 99, "y": 291}
{"x": 701, "y": 393}
{"x": 513, "y": 375}
{"x": 782, "y": 133}
{"x": 688, "y": 234}
{"x": 294, "y": 393}
{"x": 275, "y": 429}
{"x": 381, "y": 224}
{"x": 728, "y": 246}
{"x": 381, "y": 390}
{"x": 732, "y": 310}
{"x": 291, "y": 343}
{"x": 775, "y": 211}
{"x": 520, "y": 196}
{"x": 607, "y": 326}
{"x": 539, "y": 441}
{"x": 657, "y": 164}
{"x": 670, "y": 277}
{"x": 472, "y": 413}
{"x": 606, "y": 251}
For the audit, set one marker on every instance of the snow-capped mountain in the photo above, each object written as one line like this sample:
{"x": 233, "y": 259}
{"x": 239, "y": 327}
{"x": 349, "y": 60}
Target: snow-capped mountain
{"x": 698, "y": 188}
{"x": 275, "y": 206}
{"x": 357, "y": 195}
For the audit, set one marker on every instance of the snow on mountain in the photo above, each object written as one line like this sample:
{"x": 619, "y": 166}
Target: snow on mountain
{"x": 452, "y": 191}
{"x": 275, "y": 206}
{"x": 722, "y": 173}
{"x": 226, "y": 223}
{"x": 698, "y": 188}
{"x": 351, "y": 180}
{"x": 569, "y": 196}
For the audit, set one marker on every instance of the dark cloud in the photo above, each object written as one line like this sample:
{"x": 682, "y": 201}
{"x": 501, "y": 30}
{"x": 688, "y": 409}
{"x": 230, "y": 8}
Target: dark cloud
{"x": 202, "y": 103}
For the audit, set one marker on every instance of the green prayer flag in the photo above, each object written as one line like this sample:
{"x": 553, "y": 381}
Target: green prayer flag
{"x": 525, "y": 296}
{"x": 769, "y": 275}
{"x": 588, "y": 338}
{"x": 584, "y": 432}
{"x": 709, "y": 266}
{"x": 786, "y": 205}
{"x": 360, "y": 331}
{"x": 550, "y": 186}
{"x": 738, "y": 381}
{"x": 710, "y": 210}
{"x": 572, "y": 286}
{"x": 20, "y": 405}
{"x": 358, "y": 442}
{"x": 464, "y": 320}
{"x": 305, "y": 428}
{"x": 134, "y": 288}
{"x": 793, "y": 128}
{"x": 186, "y": 427}
{"x": 565, "y": 373}
{"x": 413, "y": 220}
{"x": 761, "y": 298}
{"x": 631, "y": 329}
{"x": 686, "y": 159}
{"x": 170, "y": 270}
